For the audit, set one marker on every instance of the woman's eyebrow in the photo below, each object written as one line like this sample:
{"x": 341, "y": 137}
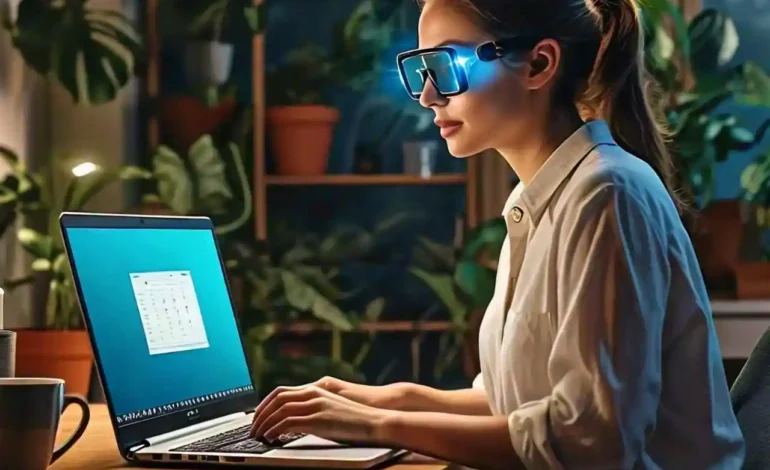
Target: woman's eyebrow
{"x": 455, "y": 42}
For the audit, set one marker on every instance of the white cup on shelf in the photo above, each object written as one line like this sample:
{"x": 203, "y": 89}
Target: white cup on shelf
{"x": 420, "y": 158}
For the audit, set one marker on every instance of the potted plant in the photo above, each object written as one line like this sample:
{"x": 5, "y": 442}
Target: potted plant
{"x": 57, "y": 346}
{"x": 92, "y": 53}
{"x": 205, "y": 32}
{"x": 300, "y": 118}
{"x": 198, "y": 184}
{"x": 752, "y": 278}
{"x": 463, "y": 279}
{"x": 693, "y": 65}
{"x": 288, "y": 281}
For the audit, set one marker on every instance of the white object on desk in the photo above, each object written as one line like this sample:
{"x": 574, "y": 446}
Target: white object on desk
{"x": 739, "y": 325}
{"x": 2, "y": 294}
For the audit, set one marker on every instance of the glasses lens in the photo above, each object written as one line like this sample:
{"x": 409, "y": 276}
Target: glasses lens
{"x": 437, "y": 66}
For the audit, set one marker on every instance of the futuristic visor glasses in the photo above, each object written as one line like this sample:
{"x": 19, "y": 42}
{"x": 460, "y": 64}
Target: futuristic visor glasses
{"x": 448, "y": 69}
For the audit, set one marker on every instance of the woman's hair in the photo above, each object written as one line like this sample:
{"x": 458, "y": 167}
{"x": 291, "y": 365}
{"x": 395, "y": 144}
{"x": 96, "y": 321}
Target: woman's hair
{"x": 603, "y": 70}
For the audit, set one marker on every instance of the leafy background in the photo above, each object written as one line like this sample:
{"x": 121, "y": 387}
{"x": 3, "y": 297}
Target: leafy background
{"x": 752, "y": 20}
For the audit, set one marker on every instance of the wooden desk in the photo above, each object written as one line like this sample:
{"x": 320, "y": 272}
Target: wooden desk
{"x": 97, "y": 449}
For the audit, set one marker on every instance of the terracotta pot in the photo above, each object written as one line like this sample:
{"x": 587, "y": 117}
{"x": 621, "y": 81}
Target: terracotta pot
{"x": 184, "y": 119}
{"x": 63, "y": 354}
{"x": 752, "y": 280}
{"x": 717, "y": 238}
{"x": 300, "y": 137}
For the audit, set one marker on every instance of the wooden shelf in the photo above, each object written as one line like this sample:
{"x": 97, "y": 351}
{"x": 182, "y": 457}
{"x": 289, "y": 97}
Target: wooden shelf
{"x": 362, "y": 180}
{"x": 375, "y": 327}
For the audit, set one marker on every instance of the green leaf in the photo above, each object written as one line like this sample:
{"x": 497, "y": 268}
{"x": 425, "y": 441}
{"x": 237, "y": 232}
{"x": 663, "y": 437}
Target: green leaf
{"x": 92, "y": 53}
{"x": 208, "y": 169}
{"x": 434, "y": 257}
{"x": 60, "y": 264}
{"x": 487, "y": 237}
{"x": 81, "y": 190}
{"x": 175, "y": 187}
{"x": 713, "y": 41}
{"x": 10, "y": 157}
{"x": 443, "y": 286}
{"x": 37, "y": 244}
{"x": 741, "y": 135}
{"x": 12, "y": 284}
{"x": 321, "y": 281}
{"x": 261, "y": 333}
{"x": 41, "y": 264}
{"x": 53, "y": 304}
{"x": 255, "y": 16}
{"x": 374, "y": 309}
{"x": 660, "y": 10}
{"x": 475, "y": 281}
{"x": 756, "y": 83}
{"x": 297, "y": 255}
{"x": 304, "y": 297}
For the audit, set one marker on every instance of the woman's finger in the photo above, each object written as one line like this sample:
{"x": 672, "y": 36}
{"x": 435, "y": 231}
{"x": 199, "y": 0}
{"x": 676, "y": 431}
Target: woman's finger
{"x": 266, "y": 401}
{"x": 294, "y": 424}
{"x": 288, "y": 410}
{"x": 279, "y": 400}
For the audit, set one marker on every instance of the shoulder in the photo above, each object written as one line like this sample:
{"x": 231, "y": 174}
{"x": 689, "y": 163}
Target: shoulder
{"x": 615, "y": 185}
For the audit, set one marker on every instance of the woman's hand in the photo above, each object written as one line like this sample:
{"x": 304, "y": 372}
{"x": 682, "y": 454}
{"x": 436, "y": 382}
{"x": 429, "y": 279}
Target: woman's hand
{"x": 313, "y": 410}
{"x": 389, "y": 397}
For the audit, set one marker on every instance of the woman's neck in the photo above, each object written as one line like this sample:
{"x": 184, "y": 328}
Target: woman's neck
{"x": 527, "y": 155}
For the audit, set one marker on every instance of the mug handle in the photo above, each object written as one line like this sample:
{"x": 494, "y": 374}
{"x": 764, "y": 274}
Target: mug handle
{"x": 84, "y": 419}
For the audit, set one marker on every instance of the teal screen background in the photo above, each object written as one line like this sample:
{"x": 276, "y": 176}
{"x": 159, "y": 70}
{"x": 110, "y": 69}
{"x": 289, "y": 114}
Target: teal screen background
{"x": 103, "y": 258}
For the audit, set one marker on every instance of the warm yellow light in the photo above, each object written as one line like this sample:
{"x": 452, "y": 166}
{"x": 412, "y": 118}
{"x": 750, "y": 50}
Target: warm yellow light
{"x": 84, "y": 169}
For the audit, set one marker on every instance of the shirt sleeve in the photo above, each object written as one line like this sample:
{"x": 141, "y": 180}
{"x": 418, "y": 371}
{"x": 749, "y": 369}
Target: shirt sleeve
{"x": 604, "y": 368}
{"x": 478, "y": 382}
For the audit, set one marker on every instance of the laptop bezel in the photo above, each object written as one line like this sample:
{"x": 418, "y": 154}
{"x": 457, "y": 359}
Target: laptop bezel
{"x": 129, "y": 436}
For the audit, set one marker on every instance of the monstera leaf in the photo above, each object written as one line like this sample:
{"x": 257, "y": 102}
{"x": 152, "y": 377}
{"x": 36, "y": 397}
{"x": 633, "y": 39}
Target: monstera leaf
{"x": 80, "y": 190}
{"x": 756, "y": 86}
{"x": 91, "y": 53}
{"x": 207, "y": 165}
{"x": 198, "y": 185}
{"x": 175, "y": 186}
{"x": 305, "y": 297}
{"x": 713, "y": 41}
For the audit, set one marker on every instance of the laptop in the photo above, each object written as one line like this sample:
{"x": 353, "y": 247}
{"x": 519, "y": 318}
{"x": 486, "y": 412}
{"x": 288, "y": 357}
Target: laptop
{"x": 166, "y": 340}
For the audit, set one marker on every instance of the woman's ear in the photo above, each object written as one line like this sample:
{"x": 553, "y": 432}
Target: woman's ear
{"x": 544, "y": 62}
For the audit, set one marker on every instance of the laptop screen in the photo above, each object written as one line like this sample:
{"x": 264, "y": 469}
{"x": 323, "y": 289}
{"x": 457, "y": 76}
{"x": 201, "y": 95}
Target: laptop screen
{"x": 161, "y": 317}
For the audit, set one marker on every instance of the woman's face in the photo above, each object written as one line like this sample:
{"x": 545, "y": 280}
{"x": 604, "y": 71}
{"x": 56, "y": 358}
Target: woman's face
{"x": 493, "y": 112}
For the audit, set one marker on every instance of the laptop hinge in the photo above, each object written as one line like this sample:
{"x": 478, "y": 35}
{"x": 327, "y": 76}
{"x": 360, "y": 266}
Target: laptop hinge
{"x": 195, "y": 428}
{"x": 131, "y": 454}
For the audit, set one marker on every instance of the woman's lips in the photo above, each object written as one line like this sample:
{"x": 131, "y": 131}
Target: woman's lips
{"x": 448, "y": 128}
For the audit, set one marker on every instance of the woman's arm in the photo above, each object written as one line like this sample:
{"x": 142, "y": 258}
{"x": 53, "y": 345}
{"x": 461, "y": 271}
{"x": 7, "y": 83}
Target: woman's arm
{"x": 476, "y": 441}
{"x": 468, "y": 401}
{"x": 482, "y": 442}
{"x": 409, "y": 397}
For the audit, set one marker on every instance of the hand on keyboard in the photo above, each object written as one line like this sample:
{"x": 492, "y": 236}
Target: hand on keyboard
{"x": 312, "y": 410}
{"x": 237, "y": 441}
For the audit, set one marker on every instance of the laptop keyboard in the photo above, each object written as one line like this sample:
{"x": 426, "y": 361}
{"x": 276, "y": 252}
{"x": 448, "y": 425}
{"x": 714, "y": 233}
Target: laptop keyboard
{"x": 237, "y": 441}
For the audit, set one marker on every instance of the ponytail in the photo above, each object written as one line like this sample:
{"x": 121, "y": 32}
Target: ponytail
{"x": 618, "y": 91}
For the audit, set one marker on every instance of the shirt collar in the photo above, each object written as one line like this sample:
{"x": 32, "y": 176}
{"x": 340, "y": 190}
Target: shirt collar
{"x": 534, "y": 197}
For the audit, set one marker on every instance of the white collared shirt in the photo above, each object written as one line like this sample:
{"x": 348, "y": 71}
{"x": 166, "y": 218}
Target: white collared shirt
{"x": 599, "y": 343}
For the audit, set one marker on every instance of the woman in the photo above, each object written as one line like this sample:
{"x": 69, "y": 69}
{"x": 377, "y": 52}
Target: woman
{"x": 598, "y": 349}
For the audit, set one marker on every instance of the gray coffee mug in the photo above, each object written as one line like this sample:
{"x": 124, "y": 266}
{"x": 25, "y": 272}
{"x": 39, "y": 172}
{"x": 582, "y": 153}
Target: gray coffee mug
{"x": 7, "y": 354}
{"x": 30, "y": 411}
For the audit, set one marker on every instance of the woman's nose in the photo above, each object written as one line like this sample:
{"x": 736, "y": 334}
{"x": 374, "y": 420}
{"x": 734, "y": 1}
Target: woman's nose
{"x": 430, "y": 96}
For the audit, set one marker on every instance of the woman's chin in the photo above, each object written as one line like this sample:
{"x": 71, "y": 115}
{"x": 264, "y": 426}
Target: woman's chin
{"x": 459, "y": 148}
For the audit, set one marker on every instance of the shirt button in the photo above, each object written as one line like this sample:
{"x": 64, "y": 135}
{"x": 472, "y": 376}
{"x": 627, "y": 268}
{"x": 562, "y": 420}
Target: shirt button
{"x": 518, "y": 214}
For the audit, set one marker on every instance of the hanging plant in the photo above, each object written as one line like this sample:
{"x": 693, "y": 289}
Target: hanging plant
{"x": 92, "y": 53}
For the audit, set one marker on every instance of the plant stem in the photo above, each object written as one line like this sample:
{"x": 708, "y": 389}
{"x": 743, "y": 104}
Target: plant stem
{"x": 336, "y": 353}
{"x": 245, "y": 190}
